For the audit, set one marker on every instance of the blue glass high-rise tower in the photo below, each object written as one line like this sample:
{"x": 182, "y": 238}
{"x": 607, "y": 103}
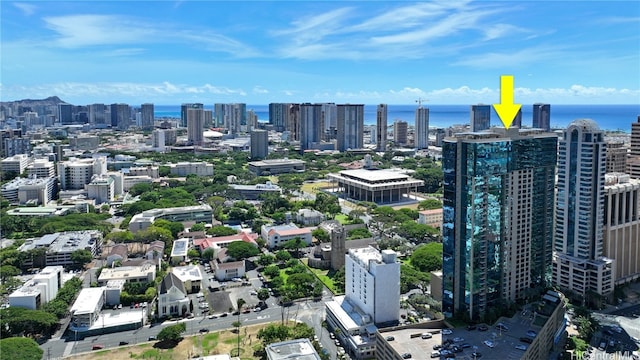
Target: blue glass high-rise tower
{"x": 497, "y": 218}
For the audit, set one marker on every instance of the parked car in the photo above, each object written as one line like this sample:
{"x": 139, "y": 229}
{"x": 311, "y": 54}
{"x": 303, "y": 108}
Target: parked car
{"x": 152, "y": 338}
{"x": 426, "y": 335}
{"x": 447, "y": 332}
{"x": 437, "y": 347}
{"x": 458, "y": 339}
{"x": 406, "y": 356}
{"x": 521, "y": 347}
{"x": 123, "y": 343}
{"x": 483, "y": 327}
{"x": 213, "y": 316}
{"x": 489, "y": 343}
{"x": 435, "y": 354}
{"x": 526, "y": 340}
{"x": 203, "y": 330}
{"x": 390, "y": 338}
{"x": 471, "y": 327}
{"x": 531, "y": 333}
{"x": 97, "y": 347}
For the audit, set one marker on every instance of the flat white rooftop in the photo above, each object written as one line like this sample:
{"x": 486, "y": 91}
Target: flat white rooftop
{"x": 374, "y": 175}
{"x": 180, "y": 247}
{"x": 126, "y": 272}
{"x": 187, "y": 273}
{"x": 87, "y": 300}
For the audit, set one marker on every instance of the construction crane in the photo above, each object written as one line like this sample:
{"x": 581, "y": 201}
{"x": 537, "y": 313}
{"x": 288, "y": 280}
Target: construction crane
{"x": 420, "y": 100}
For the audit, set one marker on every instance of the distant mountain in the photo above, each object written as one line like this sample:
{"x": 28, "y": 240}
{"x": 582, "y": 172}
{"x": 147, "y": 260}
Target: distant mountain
{"x": 50, "y": 101}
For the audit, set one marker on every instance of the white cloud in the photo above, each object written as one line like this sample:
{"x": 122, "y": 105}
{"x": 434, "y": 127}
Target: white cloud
{"x": 27, "y": 9}
{"x": 260, "y": 90}
{"x": 315, "y": 27}
{"x": 501, "y": 30}
{"x": 171, "y": 93}
{"x": 619, "y": 20}
{"x": 89, "y": 30}
{"x": 509, "y": 59}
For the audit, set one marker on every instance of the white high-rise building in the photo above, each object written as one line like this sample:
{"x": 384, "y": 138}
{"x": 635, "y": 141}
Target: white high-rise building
{"x": 41, "y": 168}
{"x": 372, "y": 282}
{"x": 76, "y": 173}
{"x": 102, "y": 189}
{"x": 579, "y": 264}
{"x": 421, "y": 137}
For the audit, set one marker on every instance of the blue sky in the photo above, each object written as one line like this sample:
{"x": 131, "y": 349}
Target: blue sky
{"x": 574, "y": 52}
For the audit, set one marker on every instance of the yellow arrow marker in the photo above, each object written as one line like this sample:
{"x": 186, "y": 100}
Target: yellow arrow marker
{"x": 506, "y": 110}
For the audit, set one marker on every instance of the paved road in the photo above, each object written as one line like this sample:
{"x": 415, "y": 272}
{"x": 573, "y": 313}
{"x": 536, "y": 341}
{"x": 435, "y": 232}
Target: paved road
{"x": 308, "y": 312}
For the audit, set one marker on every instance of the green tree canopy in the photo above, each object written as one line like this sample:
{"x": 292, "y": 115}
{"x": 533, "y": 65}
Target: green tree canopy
{"x": 15, "y": 321}
{"x": 271, "y": 271}
{"x": 283, "y": 255}
{"x": 321, "y": 235}
{"x": 173, "y": 226}
{"x": 80, "y": 258}
{"x": 7, "y": 271}
{"x": 273, "y": 333}
{"x": 263, "y": 294}
{"x": 266, "y": 259}
{"x": 241, "y": 250}
{"x": 221, "y": 230}
{"x": 208, "y": 254}
{"x": 427, "y": 257}
{"x": 20, "y": 348}
{"x": 360, "y": 233}
{"x": 429, "y": 204}
{"x": 197, "y": 227}
{"x": 172, "y": 333}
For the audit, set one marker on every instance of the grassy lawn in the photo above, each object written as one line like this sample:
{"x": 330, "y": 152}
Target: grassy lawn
{"x": 344, "y": 219}
{"x": 221, "y": 342}
{"x": 323, "y": 276}
{"x": 313, "y": 188}
{"x": 407, "y": 206}
{"x": 284, "y": 275}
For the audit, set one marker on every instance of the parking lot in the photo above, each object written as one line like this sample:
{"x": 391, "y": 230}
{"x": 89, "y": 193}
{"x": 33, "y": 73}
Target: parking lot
{"x": 225, "y": 297}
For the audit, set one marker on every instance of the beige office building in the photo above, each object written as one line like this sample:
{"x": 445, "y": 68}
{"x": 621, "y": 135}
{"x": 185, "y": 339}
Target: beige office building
{"x": 622, "y": 225}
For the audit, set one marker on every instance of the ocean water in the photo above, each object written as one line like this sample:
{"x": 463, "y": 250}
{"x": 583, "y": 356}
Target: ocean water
{"x": 609, "y": 117}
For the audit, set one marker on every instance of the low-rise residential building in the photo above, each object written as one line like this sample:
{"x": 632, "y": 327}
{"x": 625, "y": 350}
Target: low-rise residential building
{"x": 219, "y": 242}
{"x": 278, "y": 235}
{"x": 15, "y": 164}
{"x": 300, "y": 349}
{"x": 130, "y": 181}
{"x": 356, "y": 328}
{"x": 276, "y": 166}
{"x": 253, "y": 192}
{"x": 30, "y": 191}
{"x": 60, "y": 246}
{"x": 229, "y": 270}
{"x": 172, "y": 297}
{"x": 198, "y": 214}
{"x": 309, "y": 217}
{"x": 101, "y": 189}
{"x": 86, "y": 309}
{"x": 41, "y": 168}
{"x": 150, "y": 171}
{"x": 192, "y": 168}
{"x": 132, "y": 274}
{"x": 40, "y": 290}
{"x": 179, "y": 251}
{"x": 430, "y": 217}
{"x": 191, "y": 277}
{"x": 118, "y": 253}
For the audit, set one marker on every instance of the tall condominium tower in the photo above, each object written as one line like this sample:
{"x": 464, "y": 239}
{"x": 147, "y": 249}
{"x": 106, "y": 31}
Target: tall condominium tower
{"x": 517, "y": 121}
{"x": 579, "y": 264}
{"x": 278, "y": 115}
{"x": 542, "y": 116}
{"x": 622, "y": 225}
{"x": 293, "y": 122}
{"x": 350, "y": 127}
{"x": 616, "y": 157}
{"x": 633, "y": 162}
{"x": 147, "y": 116}
{"x": 381, "y": 127}
{"x": 259, "y": 144}
{"x": 97, "y": 116}
{"x": 195, "y": 124}
{"x": 421, "y": 137}
{"x": 330, "y": 117}
{"x": 65, "y": 113}
{"x": 231, "y": 116}
{"x": 400, "y": 129}
{"x": 497, "y": 218}
{"x": 120, "y": 116}
{"x": 480, "y": 117}
{"x": 311, "y": 125}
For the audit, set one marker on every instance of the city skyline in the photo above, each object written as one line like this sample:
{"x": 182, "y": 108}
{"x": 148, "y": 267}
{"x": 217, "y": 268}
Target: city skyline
{"x": 347, "y": 52}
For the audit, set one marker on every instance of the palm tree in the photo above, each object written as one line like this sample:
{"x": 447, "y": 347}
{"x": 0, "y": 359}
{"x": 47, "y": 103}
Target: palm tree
{"x": 240, "y": 302}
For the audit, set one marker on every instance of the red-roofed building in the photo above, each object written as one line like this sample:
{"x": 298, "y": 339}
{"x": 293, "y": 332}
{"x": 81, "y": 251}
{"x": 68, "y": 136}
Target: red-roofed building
{"x": 278, "y": 235}
{"x": 224, "y": 241}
